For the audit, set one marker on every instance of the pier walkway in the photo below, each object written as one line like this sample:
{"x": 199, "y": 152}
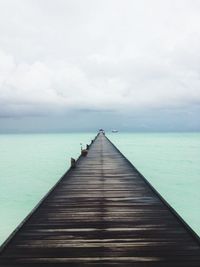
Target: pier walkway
{"x": 102, "y": 213}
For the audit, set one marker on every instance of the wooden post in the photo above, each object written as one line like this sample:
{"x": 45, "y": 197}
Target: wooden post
{"x": 84, "y": 152}
{"x": 73, "y": 163}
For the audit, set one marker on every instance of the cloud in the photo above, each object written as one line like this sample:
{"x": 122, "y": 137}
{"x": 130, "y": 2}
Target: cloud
{"x": 75, "y": 55}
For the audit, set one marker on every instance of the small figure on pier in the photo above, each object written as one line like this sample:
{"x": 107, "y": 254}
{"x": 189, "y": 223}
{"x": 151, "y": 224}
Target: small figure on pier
{"x": 84, "y": 152}
{"x": 102, "y": 131}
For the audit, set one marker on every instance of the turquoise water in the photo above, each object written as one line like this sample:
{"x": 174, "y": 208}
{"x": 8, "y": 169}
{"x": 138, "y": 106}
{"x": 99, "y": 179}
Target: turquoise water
{"x": 171, "y": 162}
{"x": 30, "y": 164}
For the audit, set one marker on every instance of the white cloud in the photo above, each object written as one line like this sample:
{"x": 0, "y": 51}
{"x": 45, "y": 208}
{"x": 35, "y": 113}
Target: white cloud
{"x": 60, "y": 55}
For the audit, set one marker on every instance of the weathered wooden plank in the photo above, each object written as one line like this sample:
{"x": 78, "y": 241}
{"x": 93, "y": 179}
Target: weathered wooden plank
{"x": 102, "y": 213}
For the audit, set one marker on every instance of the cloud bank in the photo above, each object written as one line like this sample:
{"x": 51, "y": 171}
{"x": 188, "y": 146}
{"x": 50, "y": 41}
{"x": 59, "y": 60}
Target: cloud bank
{"x": 124, "y": 56}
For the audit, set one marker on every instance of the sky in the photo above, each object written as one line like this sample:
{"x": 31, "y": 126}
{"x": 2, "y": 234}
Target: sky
{"x": 74, "y": 65}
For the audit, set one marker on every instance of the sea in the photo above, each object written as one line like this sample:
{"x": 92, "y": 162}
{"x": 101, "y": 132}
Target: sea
{"x": 30, "y": 164}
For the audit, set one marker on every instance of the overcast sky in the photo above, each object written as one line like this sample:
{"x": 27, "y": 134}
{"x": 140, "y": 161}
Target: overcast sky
{"x": 82, "y": 65}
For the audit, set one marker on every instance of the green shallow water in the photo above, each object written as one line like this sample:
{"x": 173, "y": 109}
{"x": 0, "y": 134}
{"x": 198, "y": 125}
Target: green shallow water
{"x": 171, "y": 163}
{"x": 30, "y": 164}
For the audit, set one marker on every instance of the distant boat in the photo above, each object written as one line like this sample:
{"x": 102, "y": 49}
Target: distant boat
{"x": 114, "y": 131}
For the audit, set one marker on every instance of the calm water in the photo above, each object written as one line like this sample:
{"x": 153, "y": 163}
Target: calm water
{"x": 31, "y": 164}
{"x": 171, "y": 162}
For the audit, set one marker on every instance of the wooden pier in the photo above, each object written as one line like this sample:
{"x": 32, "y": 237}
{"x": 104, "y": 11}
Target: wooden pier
{"x": 102, "y": 213}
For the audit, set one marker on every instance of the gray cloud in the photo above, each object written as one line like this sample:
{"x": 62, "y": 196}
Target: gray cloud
{"x": 123, "y": 56}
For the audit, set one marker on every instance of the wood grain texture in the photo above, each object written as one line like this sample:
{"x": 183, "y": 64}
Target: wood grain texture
{"x": 102, "y": 213}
